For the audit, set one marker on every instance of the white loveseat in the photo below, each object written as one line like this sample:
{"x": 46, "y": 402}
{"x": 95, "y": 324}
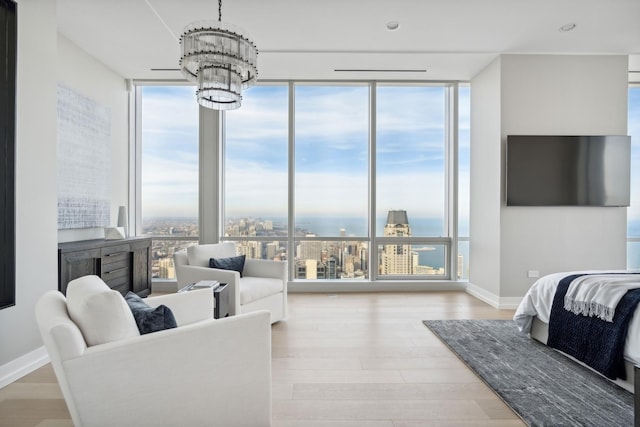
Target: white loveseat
{"x": 263, "y": 285}
{"x": 204, "y": 372}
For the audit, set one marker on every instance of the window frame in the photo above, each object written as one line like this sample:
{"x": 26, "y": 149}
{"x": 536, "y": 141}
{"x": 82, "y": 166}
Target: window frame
{"x": 450, "y": 241}
{"x": 212, "y": 218}
{"x": 135, "y": 165}
{"x": 632, "y": 240}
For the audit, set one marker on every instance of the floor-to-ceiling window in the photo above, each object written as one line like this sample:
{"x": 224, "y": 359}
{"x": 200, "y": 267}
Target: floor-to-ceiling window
{"x": 464, "y": 179}
{"x": 331, "y": 191}
{"x": 345, "y": 181}
{"x": 367, "y": 192}
{"x": 411, "y": 218}
{"x": 167, "y": 127}
{"x": 255, "y": 174}
{"x": 633, "y": 212}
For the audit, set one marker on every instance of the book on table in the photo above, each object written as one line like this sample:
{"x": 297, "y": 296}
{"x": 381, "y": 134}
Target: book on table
{"x": 205, "y": 284}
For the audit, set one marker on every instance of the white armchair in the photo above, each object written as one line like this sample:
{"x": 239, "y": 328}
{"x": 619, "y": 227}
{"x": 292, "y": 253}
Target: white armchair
{"x": 204, "y": 372}
{"x": 263, "y": 285}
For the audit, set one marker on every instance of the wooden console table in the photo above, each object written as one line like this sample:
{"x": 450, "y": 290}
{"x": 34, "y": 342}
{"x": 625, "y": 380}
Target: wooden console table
{"x": 124, "y": 265}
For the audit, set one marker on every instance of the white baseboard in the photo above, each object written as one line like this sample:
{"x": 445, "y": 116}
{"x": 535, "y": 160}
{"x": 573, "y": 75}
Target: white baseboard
{"x": 510, "y": 303}
{"x": 501, "y": 303}
{"x": 23, "y": 365}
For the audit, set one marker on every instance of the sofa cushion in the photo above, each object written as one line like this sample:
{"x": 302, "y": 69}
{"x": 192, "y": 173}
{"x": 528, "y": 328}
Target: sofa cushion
{"x": 255, "y": 288}
{"x": 199, "y": 255}
{"x": 101, "y": 313}
{"x": 235, "y": 263}
{"x": 150, "y": 319}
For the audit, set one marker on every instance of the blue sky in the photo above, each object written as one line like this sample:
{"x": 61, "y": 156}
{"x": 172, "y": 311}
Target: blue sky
{"x": 331, "y": 157}
{"x": 169, "y": 151}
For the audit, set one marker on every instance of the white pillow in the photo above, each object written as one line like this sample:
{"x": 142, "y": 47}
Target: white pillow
{"x": 101, "y": 313}
{"x": 199, "y": 255}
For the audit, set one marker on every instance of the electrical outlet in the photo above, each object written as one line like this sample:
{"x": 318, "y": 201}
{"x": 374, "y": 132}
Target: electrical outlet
{"x": 533, "y": 273}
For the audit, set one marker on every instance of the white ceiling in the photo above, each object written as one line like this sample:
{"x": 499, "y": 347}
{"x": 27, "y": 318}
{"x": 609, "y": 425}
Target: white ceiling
{"x": 451, "y": 39}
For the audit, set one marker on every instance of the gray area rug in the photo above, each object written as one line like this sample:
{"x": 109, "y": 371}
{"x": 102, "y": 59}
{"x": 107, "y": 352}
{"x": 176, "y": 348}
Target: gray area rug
{"x": 542, "y": 386}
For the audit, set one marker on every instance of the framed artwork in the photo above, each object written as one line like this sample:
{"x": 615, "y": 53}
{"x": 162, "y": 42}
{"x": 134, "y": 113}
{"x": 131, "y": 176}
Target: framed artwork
{"x": 84, "y": 161}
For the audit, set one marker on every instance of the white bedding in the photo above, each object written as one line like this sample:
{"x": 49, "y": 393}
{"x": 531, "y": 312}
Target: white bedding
{"x": 539, "y": 299}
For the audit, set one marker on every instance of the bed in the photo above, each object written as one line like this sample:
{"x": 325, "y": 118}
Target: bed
{"x": 540, "y": 307}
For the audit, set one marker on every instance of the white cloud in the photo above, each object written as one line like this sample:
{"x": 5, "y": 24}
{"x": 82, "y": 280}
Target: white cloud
{"x": 170, "y": 187}
{"x": 340, "y": 117}
{"x": 170, "y": 111}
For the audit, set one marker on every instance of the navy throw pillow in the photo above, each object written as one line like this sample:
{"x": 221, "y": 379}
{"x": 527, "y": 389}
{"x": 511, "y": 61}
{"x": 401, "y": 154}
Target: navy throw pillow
{"x": 149, "y": 319}
{"x": 235, "y": 263}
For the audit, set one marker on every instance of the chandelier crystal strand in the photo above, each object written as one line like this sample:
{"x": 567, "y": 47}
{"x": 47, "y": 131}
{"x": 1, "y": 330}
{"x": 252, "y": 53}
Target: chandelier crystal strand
{"x": 219, "y": 88}
{"x": 220, "y": 59}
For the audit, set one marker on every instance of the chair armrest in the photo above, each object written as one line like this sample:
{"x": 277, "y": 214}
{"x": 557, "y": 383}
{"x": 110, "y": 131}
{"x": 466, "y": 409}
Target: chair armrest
{"x": 265, "y": 268}
{"x": 180, "y": 258}
{"x": 187, "y": 307}
{"x": 214, "y": 369}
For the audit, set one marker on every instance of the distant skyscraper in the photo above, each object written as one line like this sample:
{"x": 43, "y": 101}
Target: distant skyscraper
{"x": 272, "y": 250}
{"x": 364, "y": 263}
{"x": 167, "y": 270}
{"x": 331, "y": 268}
{"x": 310, "y": 249}
{"x": 311, "y": 267}
{"x": 250, "y": 249}
{"x": 397, "y": 259}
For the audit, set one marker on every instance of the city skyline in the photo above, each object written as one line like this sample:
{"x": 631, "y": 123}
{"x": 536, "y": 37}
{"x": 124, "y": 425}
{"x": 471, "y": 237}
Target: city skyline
{"x": 313, "y": 259}
{"x": 246, "y": 227}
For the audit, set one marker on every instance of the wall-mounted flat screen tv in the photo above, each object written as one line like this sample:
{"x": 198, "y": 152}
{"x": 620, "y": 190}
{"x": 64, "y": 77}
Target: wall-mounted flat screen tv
{"x": 545, "y": 170}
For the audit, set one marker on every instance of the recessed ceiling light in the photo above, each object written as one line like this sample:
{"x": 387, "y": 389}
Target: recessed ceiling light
{"x": 393, "y": 25}
{"x": 567, "y": 27}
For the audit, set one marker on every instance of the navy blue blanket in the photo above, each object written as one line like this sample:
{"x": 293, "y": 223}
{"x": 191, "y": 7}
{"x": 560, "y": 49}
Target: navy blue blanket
{"x": 593, "y": 341}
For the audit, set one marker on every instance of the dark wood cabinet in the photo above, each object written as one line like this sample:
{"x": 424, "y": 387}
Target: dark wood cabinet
{"x": 141, "y": 267}
{"x": 124, "y": 265}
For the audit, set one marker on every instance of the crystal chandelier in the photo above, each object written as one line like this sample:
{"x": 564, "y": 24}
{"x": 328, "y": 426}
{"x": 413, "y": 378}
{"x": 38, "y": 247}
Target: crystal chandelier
{"x": 220, "y": 59}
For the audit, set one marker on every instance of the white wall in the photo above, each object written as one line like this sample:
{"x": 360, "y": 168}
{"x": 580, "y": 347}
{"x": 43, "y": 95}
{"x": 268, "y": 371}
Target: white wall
{"x": 36, "y": 200}
{"x": 562, "y": 95}
{"x": 484, "y": 223}
{"x": 44, "y": 59}
{"x": 549, "y": 94}
{"x": 90, "y": 78}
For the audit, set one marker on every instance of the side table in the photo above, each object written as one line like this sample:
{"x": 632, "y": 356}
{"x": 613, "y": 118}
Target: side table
{"x": 222, "y": 304}
{"x": 221, "y": 296}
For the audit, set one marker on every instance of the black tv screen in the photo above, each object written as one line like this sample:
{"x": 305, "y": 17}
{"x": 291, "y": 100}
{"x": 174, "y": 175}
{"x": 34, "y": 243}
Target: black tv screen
{"x": 546, "y": 170}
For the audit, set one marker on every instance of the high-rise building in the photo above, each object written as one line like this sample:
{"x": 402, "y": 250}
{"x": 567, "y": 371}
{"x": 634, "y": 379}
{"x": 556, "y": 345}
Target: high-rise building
{"x": 310, "y": 249}
{"x": 250, "y": 249}
{"x": 301, "y": 270}
{"x": 331, "y": 268}
{"x": 272, "y": 250}
{"x": 166, "y": 268}
{"x": 397, "y": 258}
{"x": 311, "y": 267}
{"x": 363, "y": 253}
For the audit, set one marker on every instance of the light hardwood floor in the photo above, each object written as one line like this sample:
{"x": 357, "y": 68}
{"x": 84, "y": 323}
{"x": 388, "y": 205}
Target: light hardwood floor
{"x": 341, "y": 360}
